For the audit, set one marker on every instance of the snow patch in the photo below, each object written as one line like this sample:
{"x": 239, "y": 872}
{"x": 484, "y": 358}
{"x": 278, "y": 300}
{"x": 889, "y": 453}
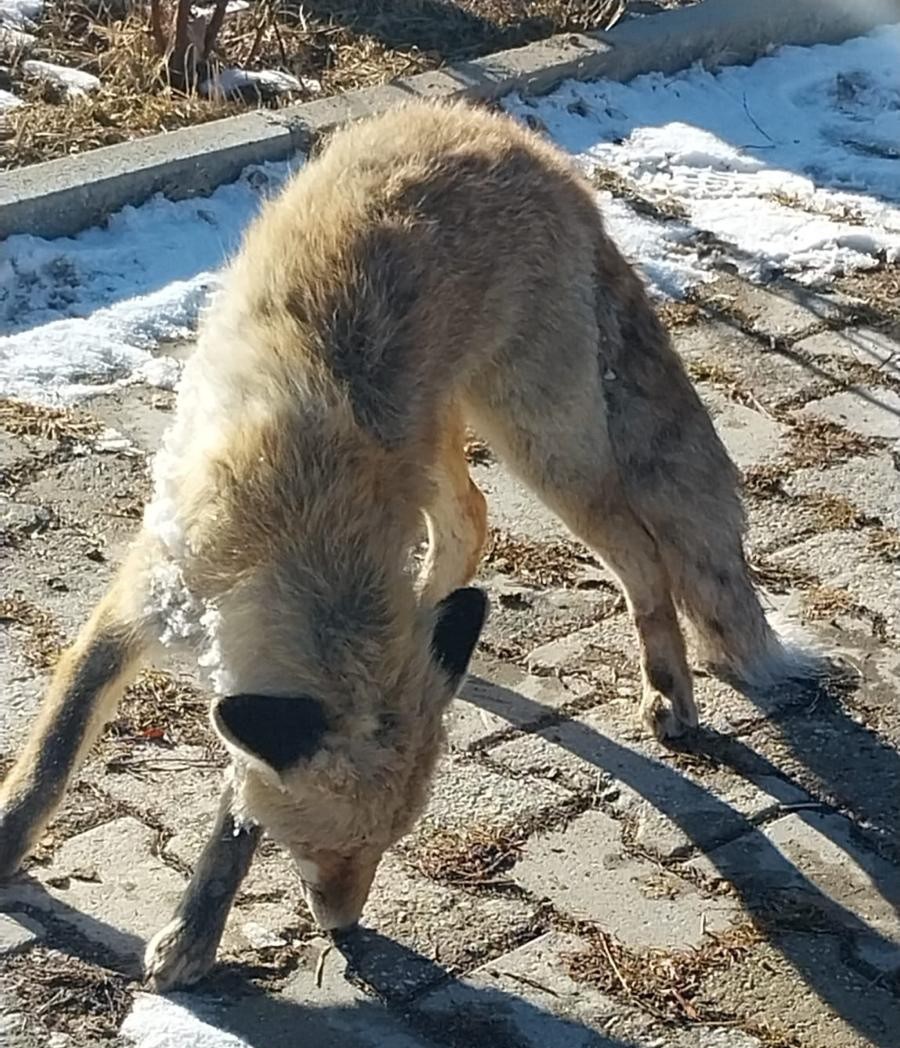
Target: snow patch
{"x": 80, "y": 314}
{"x": 791, "y": 163}
{"x": 22, "y": 14}
{"x": 166, "y": 1022}
{"x": 8, "y": 100}
{"x": 230, "y": 82}
{"x": 75, "y": 83}
{"x": 788, "y": 166}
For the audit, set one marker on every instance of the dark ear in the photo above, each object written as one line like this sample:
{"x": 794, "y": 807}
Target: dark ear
{"x": 280, "y": 730}
{"x": 457, "y": 627}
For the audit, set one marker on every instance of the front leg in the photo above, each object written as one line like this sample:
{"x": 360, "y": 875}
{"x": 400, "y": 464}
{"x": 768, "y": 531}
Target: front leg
{"x": 185, "y": 950}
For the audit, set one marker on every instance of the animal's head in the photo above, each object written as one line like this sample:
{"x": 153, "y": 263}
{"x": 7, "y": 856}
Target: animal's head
{"x": 338, "y": 790}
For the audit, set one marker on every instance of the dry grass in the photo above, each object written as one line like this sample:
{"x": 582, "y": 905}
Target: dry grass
{"x": 820, "y": 442}
{"x": 668, "y": 984}
{"x": 159, "y": 707}
{"x": 64, "y": 994}
{"x": 676, "y": 315}
{"x": 476, "y": 857}
{"x": 878, "y": 288}
{"x": 839, "y": 213}
{"x": 343, "y": 45}
{"x": 57, "y": 424}
{"x": 663, "y": 209}
{"x": 766, "y": 481}
{"x": 539, "y": 564}
{"x": 780, "y": 578}
{"x": 824, "y": 602}
{"x": 43, "y": 639}
{"x": 834, "y": 512}
{"x": 886, "y": 543}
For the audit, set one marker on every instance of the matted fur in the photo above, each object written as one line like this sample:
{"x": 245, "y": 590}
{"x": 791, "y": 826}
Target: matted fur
{"x": 432, "y": 268}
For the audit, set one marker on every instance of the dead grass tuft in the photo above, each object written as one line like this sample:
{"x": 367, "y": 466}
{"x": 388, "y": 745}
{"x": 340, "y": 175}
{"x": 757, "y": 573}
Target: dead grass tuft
{"x": 476, "y": 857}
{"x": 43, "y": 639}
{"x": 886, "y": 543}
{"x": 676, "y": 315}
{"x": 57, "y": 424}
{"x": 666, "y": 983}
{"x": 159, "y": 707}
{"x": 780, "y": 578}
{"x": 65, "y": 994}
{"x": 477, "y": 452}
{"x": 824, "y": 602}
{"x": 878, "y": 288}
{"x": 839, "y": 213}
{"x": 819, "y": 442}
{"x": 661, "y": 209}
{"x": 540, "y": 564}
{"x": 765, "y": 481}
{"x": 834, "y": 512}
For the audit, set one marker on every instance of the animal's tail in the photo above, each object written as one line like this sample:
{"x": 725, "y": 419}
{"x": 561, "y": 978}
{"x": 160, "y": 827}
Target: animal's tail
{"x": 83, "y": 695}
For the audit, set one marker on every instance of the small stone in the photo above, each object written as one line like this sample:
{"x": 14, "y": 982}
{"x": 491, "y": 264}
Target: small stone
{"x": 17, "y": 932}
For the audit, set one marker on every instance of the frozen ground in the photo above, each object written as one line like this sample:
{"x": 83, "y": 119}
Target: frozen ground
{"x": 572, "y": 884}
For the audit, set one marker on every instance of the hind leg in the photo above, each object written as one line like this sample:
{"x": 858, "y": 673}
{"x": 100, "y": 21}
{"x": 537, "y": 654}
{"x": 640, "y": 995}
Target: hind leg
{"x": 456, "y": 518}
{"x": 568, "y": 462}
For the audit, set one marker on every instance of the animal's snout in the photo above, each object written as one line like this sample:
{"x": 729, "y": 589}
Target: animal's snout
{"x": 336, "y": 888}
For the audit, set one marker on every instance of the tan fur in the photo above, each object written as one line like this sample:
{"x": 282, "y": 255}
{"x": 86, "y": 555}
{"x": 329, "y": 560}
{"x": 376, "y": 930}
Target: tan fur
{"x": 433, "y": 267}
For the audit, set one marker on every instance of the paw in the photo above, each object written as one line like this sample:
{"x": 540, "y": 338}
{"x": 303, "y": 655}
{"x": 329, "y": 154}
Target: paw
{"x": 13, "y": 846}
{"x": 176, "y": 958}
{"x": 667, "y": 718}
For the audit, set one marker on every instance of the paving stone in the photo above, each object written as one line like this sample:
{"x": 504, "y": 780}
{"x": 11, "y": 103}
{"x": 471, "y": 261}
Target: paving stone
{"x": 526, "y": 998}
{"x": 767, "y": 374}
{"x": 415, "y": 930}
{"x": 325, "y": 1012}
{"x": 512, "y": 507}
{"x": 21, "y": 687}
{"x": 751, "y": 438}
{"x": 467, "y": 795}
{"x": 491, "y": 700}
{"x": 603, "y": 755}
{"x": 802, "y": 986}
{"x": 143, "y": 418}
{"x": 843, "y": 560}
{"x": 589, "y": 651}
{"x": 108, "y": 885}
{"x": 523, "y": 617}
{"x": 862, "y": 345}
{"x": 814, "y": 858}
{"x": 177, "y": 787}
{"x": 872, "y": 484}
{"x": 584, "y": 870}
{"x": 707, "y": 1037}
{"x": 773, "y": 523}
{"x": 18, "y": 931}
{"x": 873, "y": 412}
{"x": 781, "y": 310}
{"x": 20, "y": 519}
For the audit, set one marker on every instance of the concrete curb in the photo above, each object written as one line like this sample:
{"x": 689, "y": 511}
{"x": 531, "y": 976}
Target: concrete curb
{"x": 61, "y": 197}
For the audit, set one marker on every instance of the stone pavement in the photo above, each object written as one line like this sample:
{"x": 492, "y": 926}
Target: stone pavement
{"x": 573, "y": 883}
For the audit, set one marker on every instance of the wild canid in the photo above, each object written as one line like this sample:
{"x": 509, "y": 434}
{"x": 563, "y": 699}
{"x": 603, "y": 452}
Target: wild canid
{"x": 432, "y": 268}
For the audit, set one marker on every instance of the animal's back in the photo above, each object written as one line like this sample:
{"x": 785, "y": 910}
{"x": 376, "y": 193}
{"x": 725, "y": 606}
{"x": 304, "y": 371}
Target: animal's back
{"x": 406, "y": 256}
